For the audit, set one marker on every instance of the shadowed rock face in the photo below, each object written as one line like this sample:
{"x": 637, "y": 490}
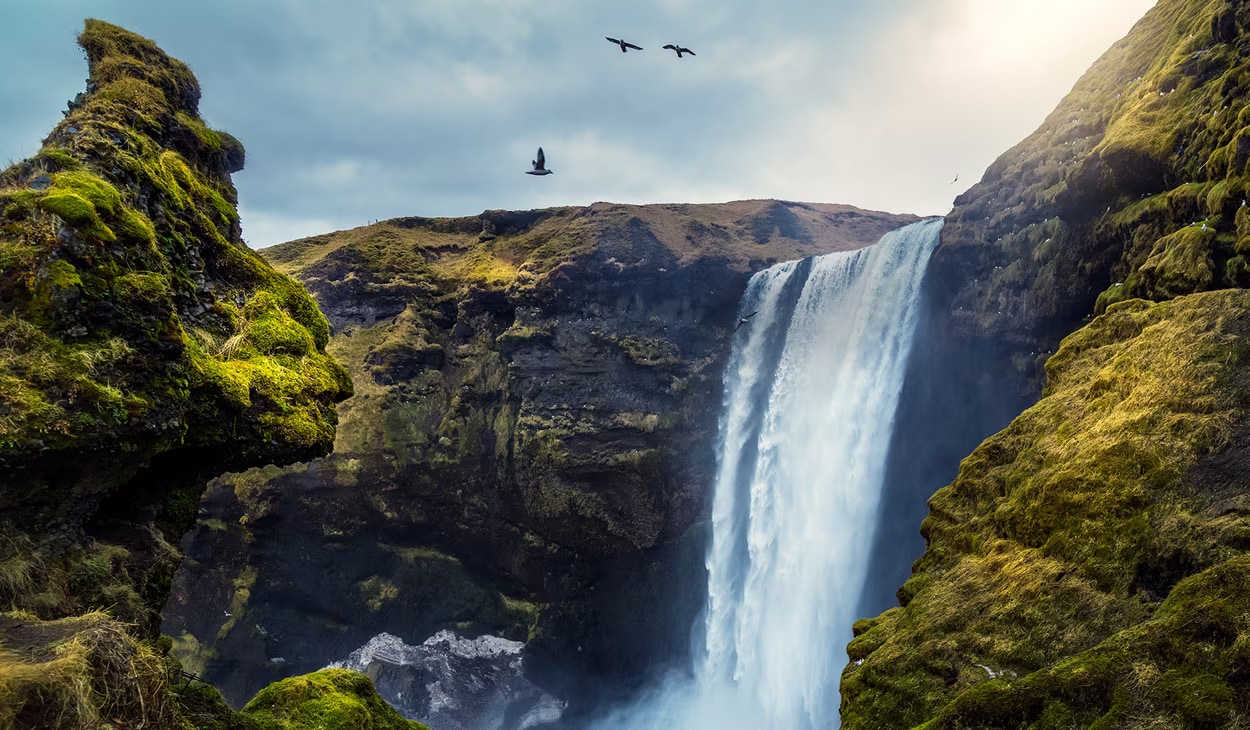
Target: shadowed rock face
{"x": 1107, "y": 200}
{"x": 529, "y": 450}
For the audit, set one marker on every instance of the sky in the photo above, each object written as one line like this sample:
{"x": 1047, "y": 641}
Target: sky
{"x": 353, "y": 112}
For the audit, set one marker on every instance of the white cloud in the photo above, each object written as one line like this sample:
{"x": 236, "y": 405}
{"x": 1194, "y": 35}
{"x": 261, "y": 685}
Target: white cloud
{"x": 264, "y": 228}
{"x": 944, "y": 91}
{"x": 393, "y": 107}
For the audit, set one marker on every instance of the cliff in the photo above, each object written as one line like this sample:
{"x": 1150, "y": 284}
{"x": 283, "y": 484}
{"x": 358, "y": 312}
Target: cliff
{"x": 1088, "y": 565}
{"x": 528, "y": 449}
{"x": 1132, "y": 187}
{"x": 143, "y": 349}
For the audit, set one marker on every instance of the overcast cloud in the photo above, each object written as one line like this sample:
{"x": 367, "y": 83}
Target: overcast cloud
{"x": 359, "y": 111}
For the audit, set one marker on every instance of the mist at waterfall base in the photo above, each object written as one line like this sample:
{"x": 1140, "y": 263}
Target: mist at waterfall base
{"x": 811, "y": 391}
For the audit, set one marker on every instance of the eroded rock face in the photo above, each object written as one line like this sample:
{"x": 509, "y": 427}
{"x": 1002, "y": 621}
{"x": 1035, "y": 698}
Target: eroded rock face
{"x": 1132, "y": 187}
{"x": 529, "y": 450}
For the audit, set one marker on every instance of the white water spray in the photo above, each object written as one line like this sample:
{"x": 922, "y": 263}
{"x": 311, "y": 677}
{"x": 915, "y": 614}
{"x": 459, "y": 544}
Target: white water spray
{"x": 810, "y": 395}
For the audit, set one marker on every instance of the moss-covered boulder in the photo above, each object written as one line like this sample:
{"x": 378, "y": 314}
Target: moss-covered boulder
{"x": 332, "y": 699}
{"x": 1088, "y": 567}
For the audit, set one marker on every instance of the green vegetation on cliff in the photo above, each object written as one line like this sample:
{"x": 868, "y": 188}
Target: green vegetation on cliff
{"x": 1089, "y": 565}
{"x": 126, "y": 290}
{"x": 143, "y": 349}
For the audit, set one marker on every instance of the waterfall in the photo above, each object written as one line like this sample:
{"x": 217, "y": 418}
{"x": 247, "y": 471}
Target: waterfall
{"x": 811, "y": 389}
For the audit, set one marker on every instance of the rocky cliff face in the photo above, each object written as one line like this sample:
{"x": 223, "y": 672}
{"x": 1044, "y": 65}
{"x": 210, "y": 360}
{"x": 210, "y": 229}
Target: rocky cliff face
{"x": 529, "y": 448}
{"x": 1132, "y": 187}
{"x": 1087, "y": 566}
{"x": 143, "y": 349}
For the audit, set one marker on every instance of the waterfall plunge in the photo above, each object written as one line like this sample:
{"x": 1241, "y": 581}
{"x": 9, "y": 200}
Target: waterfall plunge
{"x": 810, "y": 395}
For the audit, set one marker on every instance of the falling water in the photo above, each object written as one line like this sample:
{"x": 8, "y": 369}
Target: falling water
{"x": 810, "y": 395}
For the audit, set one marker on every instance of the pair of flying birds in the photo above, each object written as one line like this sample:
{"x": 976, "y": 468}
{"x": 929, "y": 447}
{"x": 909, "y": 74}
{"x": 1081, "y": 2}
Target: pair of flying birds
{"x": 540, "y": 163}
{"x": 670, "y": 47}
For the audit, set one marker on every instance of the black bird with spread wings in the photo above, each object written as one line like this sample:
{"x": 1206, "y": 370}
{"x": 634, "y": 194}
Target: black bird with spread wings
{"x": 744, "y": 320}
{"x": 540, "y": 165}
{"x": 678, "y": 49}
{"x": 624, "y": 46}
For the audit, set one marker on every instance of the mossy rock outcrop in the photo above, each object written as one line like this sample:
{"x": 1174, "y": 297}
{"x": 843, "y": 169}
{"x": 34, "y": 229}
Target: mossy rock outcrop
{"x": 1089, "y": 565}
{"x": 144, "y": 349}
{"x": 332, "y": 699}
{"x": 528, "y": 449}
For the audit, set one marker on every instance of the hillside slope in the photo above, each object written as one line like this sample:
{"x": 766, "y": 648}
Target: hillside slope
{"x": 1087, "y": 566}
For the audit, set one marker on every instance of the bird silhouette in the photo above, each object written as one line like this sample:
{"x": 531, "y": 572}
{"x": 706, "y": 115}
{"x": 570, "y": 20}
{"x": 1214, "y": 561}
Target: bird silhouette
{"x": 955, "y": 180}
{"x": 539, "y": 165}
{"x": 624, "y": 46}
{"x": 679, "y": 50}
{"x": 744, "y": 320}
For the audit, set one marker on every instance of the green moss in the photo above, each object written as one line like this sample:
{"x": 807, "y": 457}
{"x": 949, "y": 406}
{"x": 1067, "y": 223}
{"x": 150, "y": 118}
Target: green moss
{"x": 115, "y": 54}
{"x": 79, "y": 674}
{"x": 1047, "y": 554}
{"x": 377, "y": 592}
{"x": 60, "y": 280}
{"x": 1179, "y": 264}
{"x": 330, "y": 699}
{"x": 136, "y": 329}
{"x": 650, "y": 351}
{"x": 515, "y": 336}
{"x": 243, "y": 584}
{"x": 78, "y": 211}
{"x": 59, "y": 157}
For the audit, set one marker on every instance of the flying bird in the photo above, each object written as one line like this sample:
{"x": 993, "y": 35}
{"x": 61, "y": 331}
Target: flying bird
{"x": 624, "y": 46}
{"x": 227, "y": 613}
{"x": 539, "y": 165}
{"x": 678, "y": 49}
{"x": 955, "y": 180}
{"x": 743, "y": 320}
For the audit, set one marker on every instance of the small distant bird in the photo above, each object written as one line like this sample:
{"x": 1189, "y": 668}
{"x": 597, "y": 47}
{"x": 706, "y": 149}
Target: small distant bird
{"x": 539, "y": 165}
{"x": 624, "y": 46}
{"x": 679, "y": 50}
{"x": 743, "y": 320}
{"x": 955, "y": 180}
{"x": 227, "y": 613}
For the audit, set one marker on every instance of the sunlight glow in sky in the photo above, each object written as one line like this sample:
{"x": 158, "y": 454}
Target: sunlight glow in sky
{"x": 394, "y": 108}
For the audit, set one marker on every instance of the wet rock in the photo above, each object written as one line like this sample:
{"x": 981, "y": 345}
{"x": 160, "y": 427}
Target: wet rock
{"x": 454, "y": 683}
